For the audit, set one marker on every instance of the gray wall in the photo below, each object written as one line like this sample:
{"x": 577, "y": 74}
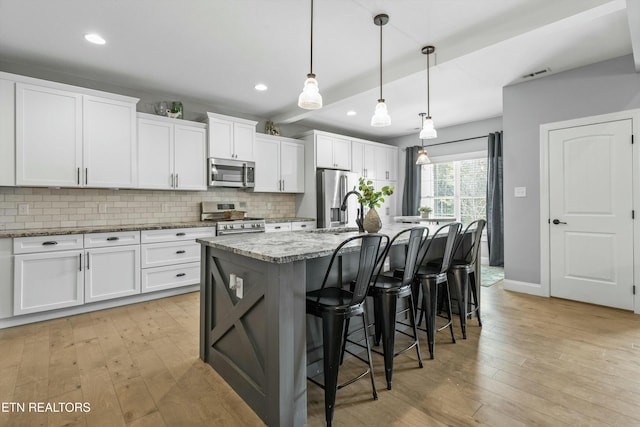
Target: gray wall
{"x": 605, "y": 87}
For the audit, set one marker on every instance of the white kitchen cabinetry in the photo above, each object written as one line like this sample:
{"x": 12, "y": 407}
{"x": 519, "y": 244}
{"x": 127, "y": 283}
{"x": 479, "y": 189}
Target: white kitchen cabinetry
{"x": 303, "y": 225}
{"x": 363, "y": 159}
{"x": 6, "y": 278}
{"x": 7, "y": 134}
{"x": 386, "y": 162}
{"x": 111, "y": 272}
{"x": 69, "y": 138}
{"x": 171, "y": 153}
{"x": 231, "y": 137}
{"x": 333, "y": 152}
{"x": 388, "y": 208}
{"x": 48, "y": 273}
{"x": 274, "y": 227}
{"x": 279, "y": 165}
{"x": 171, "y": 258}
{"x": 109, "y": 148}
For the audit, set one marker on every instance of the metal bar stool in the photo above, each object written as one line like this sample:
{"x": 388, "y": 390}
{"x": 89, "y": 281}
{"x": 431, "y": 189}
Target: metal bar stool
{"x": 462, "y": 272}
{"x": 335, "y": 306}
{"x": 429, "y": 278}
{"x": 386, "y": 290}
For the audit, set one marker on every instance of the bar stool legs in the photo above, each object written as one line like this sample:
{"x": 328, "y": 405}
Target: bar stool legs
{"x": 430, "y": 307}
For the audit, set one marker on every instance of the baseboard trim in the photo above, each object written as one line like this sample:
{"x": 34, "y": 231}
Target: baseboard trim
{"x": 94, "y": 306}
{"x": 524, "y": 287}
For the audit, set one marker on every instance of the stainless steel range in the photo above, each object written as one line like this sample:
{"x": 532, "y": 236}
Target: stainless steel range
{"x": 230, "y": 218}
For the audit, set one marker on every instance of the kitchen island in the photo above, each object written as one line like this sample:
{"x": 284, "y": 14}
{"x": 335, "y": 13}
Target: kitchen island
{"x": 253, "y": 326}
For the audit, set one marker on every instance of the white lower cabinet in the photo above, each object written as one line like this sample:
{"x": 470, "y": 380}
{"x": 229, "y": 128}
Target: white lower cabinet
{"x": 303, "y": 225}
{"x": 111, "y": 272}
{"x": 171, "y": 258}
{"x": 47, "y": 281}
{"x": 274, "y": 227}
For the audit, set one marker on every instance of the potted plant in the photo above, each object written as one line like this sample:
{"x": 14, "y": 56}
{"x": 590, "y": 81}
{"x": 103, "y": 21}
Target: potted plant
{"x": 425, "y": 211}
{"x": 371, "y": 198}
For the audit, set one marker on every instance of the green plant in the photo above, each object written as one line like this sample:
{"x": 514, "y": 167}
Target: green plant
{"x": 369, "y": 196}
{"x": 425, "y": 209}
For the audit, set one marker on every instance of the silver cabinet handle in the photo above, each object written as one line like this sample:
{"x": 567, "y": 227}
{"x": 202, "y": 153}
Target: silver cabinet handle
{"x": 78, "y": 177}
{"x": 80, "y": 262}
{"x": 172, "y": 181}
{"x": 86, "y": 176}
{"x": 283, "y": 185}
{"x": 88, "y": 261}
{"x": 177, "y": 177}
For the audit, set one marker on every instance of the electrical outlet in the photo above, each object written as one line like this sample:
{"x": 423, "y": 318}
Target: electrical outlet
{"x": 23, "y": 208}
{"x": 102, "y": 208}
{"x": 239, "y": 287}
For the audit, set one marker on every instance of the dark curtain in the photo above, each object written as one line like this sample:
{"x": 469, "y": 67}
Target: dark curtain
{"x": 495, "y": 206}
{"x": 411, "y": 196}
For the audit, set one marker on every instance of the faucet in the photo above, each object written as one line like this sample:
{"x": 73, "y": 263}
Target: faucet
{"x": 360, "y": 218}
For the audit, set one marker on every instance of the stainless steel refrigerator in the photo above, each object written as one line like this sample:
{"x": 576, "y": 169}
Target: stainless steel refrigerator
{"x": 332, "y": 186}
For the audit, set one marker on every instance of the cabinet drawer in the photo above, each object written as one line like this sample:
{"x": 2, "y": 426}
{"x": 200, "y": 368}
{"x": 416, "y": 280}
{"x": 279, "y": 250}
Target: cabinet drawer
{"x": 177, "y": 234}
{"x": 27, "y": 245}
{"x": 173, "y": 276}
{"x": 277, "y": 226}
{"x": 303, "y": 225}
{"x": 159, "y": 254}
{"x": 100, "y": 240}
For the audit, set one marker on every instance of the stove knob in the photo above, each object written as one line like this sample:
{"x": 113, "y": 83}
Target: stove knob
{"x": 225, "y": 227}
{"x": 242, "y": 226}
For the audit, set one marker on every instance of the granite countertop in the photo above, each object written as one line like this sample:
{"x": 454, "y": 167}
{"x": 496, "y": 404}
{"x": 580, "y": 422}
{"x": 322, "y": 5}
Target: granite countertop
{"x": 281, "y": 248}
{"x": 101, "y": 229}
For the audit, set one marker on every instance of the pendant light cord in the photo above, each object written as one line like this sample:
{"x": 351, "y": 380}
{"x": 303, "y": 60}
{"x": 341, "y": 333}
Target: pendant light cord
{"x": 311, "y": 61}
{"x": 428, "y": 88}
{"x": 380, "y": 61}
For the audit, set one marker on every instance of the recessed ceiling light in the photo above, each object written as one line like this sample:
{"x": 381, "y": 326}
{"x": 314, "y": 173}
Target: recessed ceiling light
{"x": 351, "y": 113}
{"x": 94, "y": 38}
{"x": 261, "y": 87}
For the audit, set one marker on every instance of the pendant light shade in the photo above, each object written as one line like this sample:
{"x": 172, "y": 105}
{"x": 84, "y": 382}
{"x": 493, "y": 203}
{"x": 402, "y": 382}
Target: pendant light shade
{"x": 422, "y": 158}
{"x": 428, "y": 129}
{"x": 381, "y": 116}
{"x": 310, "y": 98}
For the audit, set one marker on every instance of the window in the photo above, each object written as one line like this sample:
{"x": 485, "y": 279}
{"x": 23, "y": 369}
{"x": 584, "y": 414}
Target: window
{"x": 456, "y": 189}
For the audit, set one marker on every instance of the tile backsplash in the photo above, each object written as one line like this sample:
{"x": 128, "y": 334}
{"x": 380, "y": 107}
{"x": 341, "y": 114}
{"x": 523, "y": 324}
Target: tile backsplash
{"x": 24, "y": 208}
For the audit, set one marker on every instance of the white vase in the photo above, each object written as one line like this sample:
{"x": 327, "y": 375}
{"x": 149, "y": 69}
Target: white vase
{"x": 372, "y": 222}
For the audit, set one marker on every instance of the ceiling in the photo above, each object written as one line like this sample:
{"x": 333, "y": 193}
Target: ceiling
{"x": 214, "y": 52}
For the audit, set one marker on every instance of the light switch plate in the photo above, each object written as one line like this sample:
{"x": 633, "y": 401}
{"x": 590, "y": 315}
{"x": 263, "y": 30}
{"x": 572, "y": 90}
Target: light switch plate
{"x": 520, "y": 192}
{"x": 239, "y": 287}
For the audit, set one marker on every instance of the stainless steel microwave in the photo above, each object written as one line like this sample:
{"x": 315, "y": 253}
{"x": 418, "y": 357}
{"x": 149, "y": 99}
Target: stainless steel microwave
{"x": 231, "y": 173}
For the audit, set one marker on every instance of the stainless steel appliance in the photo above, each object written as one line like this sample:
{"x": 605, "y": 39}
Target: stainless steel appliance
{"x": 231, "y": 173}
{"x": 230, "y": 218}
{"x": 332, "y": 186}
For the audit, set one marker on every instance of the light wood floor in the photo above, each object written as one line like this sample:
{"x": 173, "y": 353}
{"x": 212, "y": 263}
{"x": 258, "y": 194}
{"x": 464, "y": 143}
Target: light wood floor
{"x": 536, "y": 361}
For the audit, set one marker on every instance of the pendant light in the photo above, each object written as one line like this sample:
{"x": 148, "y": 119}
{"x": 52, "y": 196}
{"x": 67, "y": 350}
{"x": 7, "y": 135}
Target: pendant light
{"x": 422, "y": 159}
{"x": 310, "y": 98}
{"x": 428, "y": 131}
{"x": 381, "y": 116}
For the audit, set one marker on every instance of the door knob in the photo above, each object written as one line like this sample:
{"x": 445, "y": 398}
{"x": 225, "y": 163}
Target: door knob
{"x": 557, "y": 221}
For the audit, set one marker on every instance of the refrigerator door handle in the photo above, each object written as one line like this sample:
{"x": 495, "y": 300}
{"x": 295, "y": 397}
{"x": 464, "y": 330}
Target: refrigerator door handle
{"x": 344, "y": 189}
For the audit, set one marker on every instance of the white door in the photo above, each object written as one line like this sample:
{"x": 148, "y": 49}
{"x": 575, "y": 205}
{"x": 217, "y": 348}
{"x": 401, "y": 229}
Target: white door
{"x": 190, "y": 158}
{"x": 324, "y": 152}
{"x": 292, "y": 167}
{"x": 220, "y": 138}
{"x": 103, "y": 281}
{"x": 244, "y": 138}
{"x": 370, "y": 166}
{"x": 48, "y": 137}
{"x": 342, "y": 153}
{"x": 109, "y": 129}
{"x": 357, "y": 158}
{"x": 591, "y": 230}
{"x": 155, "y": 154}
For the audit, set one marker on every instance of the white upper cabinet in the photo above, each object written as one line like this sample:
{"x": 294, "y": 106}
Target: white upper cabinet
{"x": 7, "y": 133}
{"x": 231, "y": 137}
{"x": 372, "y": 160}
{"x": 48, "y": 137}
{"x": 109, "y": 131}
{"x": 279, "y": 165}
{"x": 73, "y": 137}
{"x": 333, "y": 152}
{"x": 171, "y": 153}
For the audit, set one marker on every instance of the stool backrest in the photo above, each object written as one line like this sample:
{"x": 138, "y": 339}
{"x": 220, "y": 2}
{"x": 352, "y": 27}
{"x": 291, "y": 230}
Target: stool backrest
{"x": 475, "y": 228}
{"x": 371, "y": 251}
{"x": 451, "y": 230}
{"x": 417, "y": 236}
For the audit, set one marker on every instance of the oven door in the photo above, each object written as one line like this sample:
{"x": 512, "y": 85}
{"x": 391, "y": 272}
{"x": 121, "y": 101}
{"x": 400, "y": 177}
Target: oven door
{"x": 231, "y": 173}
